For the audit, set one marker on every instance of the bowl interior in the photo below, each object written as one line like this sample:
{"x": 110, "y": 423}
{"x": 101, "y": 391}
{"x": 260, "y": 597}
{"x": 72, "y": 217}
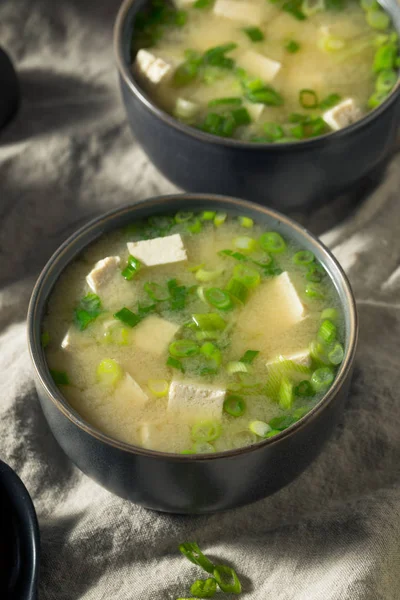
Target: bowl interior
{"x": 123, "y": 33}
{"x": 170, "y": 205}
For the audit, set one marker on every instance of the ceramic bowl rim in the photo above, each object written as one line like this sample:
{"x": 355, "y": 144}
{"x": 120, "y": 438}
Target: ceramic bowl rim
{"x": 126, "y": 74}
{"x": 43, "y": 374}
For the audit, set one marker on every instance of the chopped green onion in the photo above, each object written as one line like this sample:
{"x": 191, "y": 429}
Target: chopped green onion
{"x": 303, "y": 258}
{"x": 292, "y": 46}
{"x": 234, "y": 405}
{"x": 155, "y": 291}
{"x": 59, "y": 377}
{"x": 237, "y": 289}
{"x": 227, "y": 579}
{"x": 299, "y": 413}
{"x": 246, "y": 222}
{"x": 207, "y": 335}
{"x": 315, "y": 273}
{"x": 236, "y": 367}
{"x": 186, "y": 110}
{"x": 322, "y": 378}
{"x": 330, "y": 43}
{"x": 211, "y": 352}
{"x": 183, "y": 348}
{"x": 260, "y": 428}
{"x": 246, "y": 275}
{"x": 206, "y": 431}
{"x": 204, "y": 588}
{"x": 233, "y": 101}
{"x": 376, "y": 99}
{"x": 200, "y": 4}
{"x": 249, "y": 356}
{"x": 272, "y": 433}
{"x": 313, "y": 292}
{"x": 204, "y": 276}
{"x": 200, "y": 294}
{"x": 216, "y": 56}
{"x": 177, "y": 295}
{"x": 377, "y": 19}
{"x": 132, "y": 268}
{"x": 219, "y": 298}
{"x": 385, "y": 58}
{"x": 183, "y": 217}
{"x": 286, "y": 395}
{"x": 245, "y": 243}
{"x": 330, "y": 313}
{"x": 209, "y": 322}
{"x": 109, "y": 371}
{"x": 293, "y": 7}
{"x": 273, "y": 132}
{"x": 265, "y": 95}
{"x": 220, "y": 219}
{"x": 128, "y": 317}
{"x": 304, "y": 389}
{"x": 175, "y": 364}
{"x": 115, "y": 334}
{"x": 281, "y": 423}
{"x": 254, "y": 33}
{"x": 336, "y": 355}
{"x": 196, "y": 268}
{"x": 195, "y": 555}
{"x": 158, "y": 387}
{"x": 185, "y": 73}
{"x": 45, "y": 339}
{"x": 195, "y": 227}
{"x": 329, "y": 101}
{"x": 386, "y": 81}
{"x": 208, "y": 215}
{"x": 369, "y": 5}
{"x": 272, "y": 242}
{"x": 318, "y": 353}
{"x": 327, "y": 332}
{"x": 202, "y": 448}
{"x": 241, "y": 116}
{"x": 87, "y": 310}
{"x": 311, "y": 7}
{"x": 308, "y": 99}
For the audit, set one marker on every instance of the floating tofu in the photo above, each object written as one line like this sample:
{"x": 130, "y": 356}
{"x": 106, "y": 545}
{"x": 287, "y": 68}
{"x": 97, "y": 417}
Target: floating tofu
{"x": 193, "y": 401}
{"x": 154, "y": 334}
{"x": 75, "y": 339}
{"x": 239, "y": 11}
{"x": 154, "y": 68}
{"x": 102, "y": 273}
{"x": 274, "y": 308}
{"x": 343, "y": 114}
{"x": 161, "y": 436}
{"x": 130, "y": 391}
{"x": 255, "y": 110}
{"x": 159, "y": 251}
{"x": 259, "y": 65}
{"x": 301, "y": 358}
{"x": 185, "y": 109}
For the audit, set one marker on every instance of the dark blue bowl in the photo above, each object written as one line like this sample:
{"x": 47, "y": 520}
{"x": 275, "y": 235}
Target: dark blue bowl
{"x": 19, "y": 539}
{"x": 288, "y": 177}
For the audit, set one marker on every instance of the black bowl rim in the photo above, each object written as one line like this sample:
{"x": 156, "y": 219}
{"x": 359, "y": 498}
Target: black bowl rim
{"x": 43, "y": 374}
{"x": 125, "y": 72}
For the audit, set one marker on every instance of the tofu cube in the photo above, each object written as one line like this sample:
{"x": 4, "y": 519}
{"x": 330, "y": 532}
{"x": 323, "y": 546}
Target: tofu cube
{"x": 343, "y": 114}
{"x": 152, "y": 67}
{"x": 273, "y": 308}
{"x": 154, "y": 335}
{"x": 128, "y": 390}
{"x": 102, "y": 273}
{"x": 193, "y": 401}
{"x": 255, "y": 110}
{"x": 259, "y": 65}
{"x": 159, "y": 251}
{"x": 160, "y": 436}
{"x": 237, "y": 10}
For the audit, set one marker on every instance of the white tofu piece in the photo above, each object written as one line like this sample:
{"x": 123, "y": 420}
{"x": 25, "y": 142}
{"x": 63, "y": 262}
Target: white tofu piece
{"x": 239, "y": 11}
{"x": 159, "y": 251}
{"x": 342, "y": 115}
{"x": 259, "y": 65}
{"x": 273, "y": 308}
{"x": 193, "y": 401}
{"x": 102, "y": 273}
{"x": 129, "y": 390}
{"x": 154, "y": 334}
{"x": 185, "y": 109}
{"x": 158, "y": 436}
{"x": 75, "y": 339}
{"x": 154, "y": 68}
{"x": 255, "y": 110}
{"x": 301, "y": 358}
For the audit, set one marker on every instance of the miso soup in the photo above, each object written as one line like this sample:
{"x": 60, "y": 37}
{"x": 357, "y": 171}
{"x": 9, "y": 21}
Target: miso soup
{"x": 266, "y": 70}
{"x": 194, "y": 333}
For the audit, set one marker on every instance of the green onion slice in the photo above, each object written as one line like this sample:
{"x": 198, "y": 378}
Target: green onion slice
{"x": 202, "y": 448}
{"x": 249, "y": 356}
{"x": 219, "y": 298}
{"x": 322, "y": 379}
{"x": 292, "y": 46}
{"x": 303, "y": 258}
{"x": 204, "y": 588}
{"x": 132, "y": 268}
{"x": 109, "y": 371}
{"x": 245, "y": 243}
{"x": 254, "y": 34}
{"x": 327, "y": 332}
{"x": 336, "y": 355}
{"x": 45, "y": 339}
{"x": 378, "y": 19}
{"x": 304, "y": 389}
{"x": 174, "y": 363}
{"x": 220, "y": 219}
{"x": 272, "y": 241}
{"x": 234, "y": 405}
{"x": 260, "y": 428}
{"x": 127, "y": 316}
{"x": 281, "y": 423}
{"x": 206, "y": 431}
{"x": 237, "y": 289}
{"x": 158, "y": 387}
{"x": 236, "y": 367}
{"x": 246, "y": 222}
{"x": 227, "y": 579}
{"x": 183, "y": 348}
{"x": 231, "y": 101}
{"x": 330, "y": 313}
{"x": 155, "y": 291}
{"x": 308, "y": 99}
{"x": 313, "y": 292}
{"x": 195, "y": 555}
{"x": 247, "y": 275}
{"x": 183, "y": 217}
{"x": 204, "y": 275}
{"x": 59, "y": 377}
{"x": 209, "y": 322}
{"x": 286, "y": 394}
{"x": 87, "y": 310}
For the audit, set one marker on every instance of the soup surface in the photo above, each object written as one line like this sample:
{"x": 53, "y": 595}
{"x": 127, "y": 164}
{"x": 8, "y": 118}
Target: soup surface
{"x": 266, "y": 71}
{"x": 193, "y": 333}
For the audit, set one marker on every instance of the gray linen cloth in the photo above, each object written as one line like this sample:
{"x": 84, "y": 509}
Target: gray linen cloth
{"x": 334, "y": 533}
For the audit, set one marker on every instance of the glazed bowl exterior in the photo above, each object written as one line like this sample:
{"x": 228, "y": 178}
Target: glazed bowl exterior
{"x": 289, "y": 177}
{"x": 19, "y": 539}
{"x": 189, "y": 483}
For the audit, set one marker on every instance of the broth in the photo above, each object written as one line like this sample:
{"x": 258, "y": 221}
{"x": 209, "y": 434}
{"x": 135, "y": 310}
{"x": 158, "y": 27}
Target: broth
{"x": 266, "y": 71}
{"x": 223, "y": 345}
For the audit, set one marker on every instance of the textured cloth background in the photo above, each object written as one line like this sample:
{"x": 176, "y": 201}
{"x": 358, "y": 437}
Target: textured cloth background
{"x": 334, "y": 534}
